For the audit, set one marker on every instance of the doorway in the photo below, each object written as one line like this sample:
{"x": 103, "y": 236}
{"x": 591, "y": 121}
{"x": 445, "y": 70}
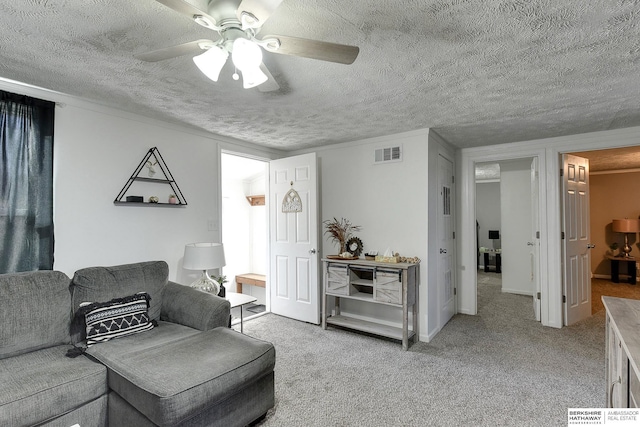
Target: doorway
{"x": 506, "y": 225}
{"x": 245, "y": 231}
{"x": 614, "y": 176}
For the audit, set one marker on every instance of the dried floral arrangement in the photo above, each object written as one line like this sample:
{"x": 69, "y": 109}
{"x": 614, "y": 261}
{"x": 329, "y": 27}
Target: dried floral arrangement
{"x": 339, "y": 231}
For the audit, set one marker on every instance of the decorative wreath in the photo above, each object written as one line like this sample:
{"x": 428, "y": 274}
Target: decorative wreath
{"x": 354, "y": 246}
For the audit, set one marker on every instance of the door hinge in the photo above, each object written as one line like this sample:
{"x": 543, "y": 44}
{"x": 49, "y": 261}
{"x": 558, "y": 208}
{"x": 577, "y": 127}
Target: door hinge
{"x": 537, "y": 234}
{"x": 562, "y": 235}
{"x": 455, "y": 291}
{"x": 453, "y": 179}
{"x": 564, "y": 299}
{"x": 562, "y": 172}
{"x": 538, "y": 295}
{"x": 454, "y": 234}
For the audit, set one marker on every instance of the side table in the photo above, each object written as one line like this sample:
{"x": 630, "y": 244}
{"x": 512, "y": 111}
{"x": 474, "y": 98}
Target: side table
{"x": 492, "y": 253}
{"x": 239, "y": 300}
{"x": 615, "y": 268}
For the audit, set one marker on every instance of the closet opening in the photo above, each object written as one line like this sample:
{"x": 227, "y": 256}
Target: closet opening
{"x": 245, "y": 232}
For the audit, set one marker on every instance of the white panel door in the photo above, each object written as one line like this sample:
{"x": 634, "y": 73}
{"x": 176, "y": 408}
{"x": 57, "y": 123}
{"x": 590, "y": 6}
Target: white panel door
{"x": 534, "y": 243}
{"x": 446, "y": 295}
{"x": 576, "y": 242}
{"x": 294, "y": 281}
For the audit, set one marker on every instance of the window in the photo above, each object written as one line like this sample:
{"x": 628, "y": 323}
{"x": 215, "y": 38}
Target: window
{"x": 26, "y": 183}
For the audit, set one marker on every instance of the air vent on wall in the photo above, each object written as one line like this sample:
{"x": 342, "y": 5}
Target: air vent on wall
{"x": 389, "y": 154}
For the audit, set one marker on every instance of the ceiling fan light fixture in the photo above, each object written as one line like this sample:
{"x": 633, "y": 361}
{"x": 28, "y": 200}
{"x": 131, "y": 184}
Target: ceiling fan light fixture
{"x": 246, "y": 56}
{"x": 211, "y": 62}
{"x": 253, "y": 77}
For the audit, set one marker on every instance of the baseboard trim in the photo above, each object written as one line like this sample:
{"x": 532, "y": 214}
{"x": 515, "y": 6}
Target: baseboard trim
{"x": 427, "y": 338}
{"x": 608, "y": 277}
{"x": 517, "y": 291}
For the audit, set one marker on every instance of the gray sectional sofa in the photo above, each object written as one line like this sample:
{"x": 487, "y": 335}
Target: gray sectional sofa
{"x": 189, "y": 370}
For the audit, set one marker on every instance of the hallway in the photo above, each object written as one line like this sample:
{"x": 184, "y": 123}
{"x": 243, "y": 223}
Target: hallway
{"x": 489, "y": 285}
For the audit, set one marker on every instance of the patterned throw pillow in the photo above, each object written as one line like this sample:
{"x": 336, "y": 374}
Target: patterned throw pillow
{"x": 117, "y": 318}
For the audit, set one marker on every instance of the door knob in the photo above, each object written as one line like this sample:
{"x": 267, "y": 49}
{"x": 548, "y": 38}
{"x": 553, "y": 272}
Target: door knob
{"x": 443, "y": 251}
{"x": 312, "y": 251}
{"x": 529, "y": 243}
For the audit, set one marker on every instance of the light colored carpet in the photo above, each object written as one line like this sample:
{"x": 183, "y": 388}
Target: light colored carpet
{"x": 500, "y": 368}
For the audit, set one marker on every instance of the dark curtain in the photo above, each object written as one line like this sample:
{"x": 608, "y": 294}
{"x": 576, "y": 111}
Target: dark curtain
{"x": 26, "y": 186}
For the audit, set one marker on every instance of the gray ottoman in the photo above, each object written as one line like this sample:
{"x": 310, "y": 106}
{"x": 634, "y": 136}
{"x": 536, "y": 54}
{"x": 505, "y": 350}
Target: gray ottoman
{"x": 203, "y": 379}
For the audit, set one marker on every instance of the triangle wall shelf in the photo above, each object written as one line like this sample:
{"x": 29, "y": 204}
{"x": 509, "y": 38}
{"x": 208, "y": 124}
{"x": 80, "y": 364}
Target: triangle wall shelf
{"x": 152, "y": 159}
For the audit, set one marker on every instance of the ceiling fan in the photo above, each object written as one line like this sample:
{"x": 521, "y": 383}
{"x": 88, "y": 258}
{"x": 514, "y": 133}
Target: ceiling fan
{"x": 237, "y": 23}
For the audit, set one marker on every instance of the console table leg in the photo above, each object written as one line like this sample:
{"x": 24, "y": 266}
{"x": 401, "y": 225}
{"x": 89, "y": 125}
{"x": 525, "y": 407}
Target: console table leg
{"x": 405, "y": 324}
{"x": 615, "y": 271}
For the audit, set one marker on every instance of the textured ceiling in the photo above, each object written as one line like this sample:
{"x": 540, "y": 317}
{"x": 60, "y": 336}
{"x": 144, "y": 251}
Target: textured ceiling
{"x": 613, "y": 159}
{"x": 478, "y": 72}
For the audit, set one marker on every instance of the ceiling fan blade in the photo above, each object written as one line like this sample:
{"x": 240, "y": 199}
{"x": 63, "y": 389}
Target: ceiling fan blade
{"x": 270, "y": 85}
{"x": 185, "y": 8}
{"x": 174, "y": 51}
{"x": 261, "y": 9}
{"x": 313, "y": 49}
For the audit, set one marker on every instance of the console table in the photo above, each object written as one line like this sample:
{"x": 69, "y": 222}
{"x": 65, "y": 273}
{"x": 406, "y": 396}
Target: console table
{"x": 391, "y": 284}
{"x": 615, "y": 268}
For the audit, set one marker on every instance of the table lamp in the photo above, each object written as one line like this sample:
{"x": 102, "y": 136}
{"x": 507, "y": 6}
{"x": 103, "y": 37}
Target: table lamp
{"x": 626, "y": 226}
{"x": 204, "y": 256}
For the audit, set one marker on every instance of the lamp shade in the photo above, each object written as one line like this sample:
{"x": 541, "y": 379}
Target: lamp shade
{"x": 253, "y": 78}
{"x": 626, "y": 225}
{"x": 211, "y": 62}
{"x": 203, "y": 256}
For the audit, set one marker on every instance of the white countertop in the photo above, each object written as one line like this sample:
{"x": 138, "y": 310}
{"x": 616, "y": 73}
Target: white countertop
{"x": 625, "y": 317}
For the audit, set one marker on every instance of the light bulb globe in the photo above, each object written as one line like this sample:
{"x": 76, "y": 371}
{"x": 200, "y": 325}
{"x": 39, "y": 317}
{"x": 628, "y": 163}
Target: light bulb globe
{"x": 246, "y": 54}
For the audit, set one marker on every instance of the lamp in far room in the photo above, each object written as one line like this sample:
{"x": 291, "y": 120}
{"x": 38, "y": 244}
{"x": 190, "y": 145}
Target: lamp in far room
{"x": 204, "y": 256}
{"x": 626, "y": 226}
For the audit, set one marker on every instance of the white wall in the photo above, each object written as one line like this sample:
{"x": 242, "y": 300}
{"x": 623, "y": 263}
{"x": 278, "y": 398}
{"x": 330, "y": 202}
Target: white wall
{"x": 388, "y": 200}
{"x": 259, "y": 231}
{"x": 236, "y": 234}
{"x": 244, "y": 232}
{"x": 487, "y": 212}
{"x": 96, "y": 149}
{"x": 516, "y": 225}
{"x": 94, "y": 155}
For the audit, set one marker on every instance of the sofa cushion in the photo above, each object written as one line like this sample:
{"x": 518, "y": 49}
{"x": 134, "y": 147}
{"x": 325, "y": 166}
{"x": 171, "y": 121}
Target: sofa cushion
{"x": 175, "y": 381}
{"x": 92, "y": 414}
{"x": 106, "y": 283}
{"x": 35, "y": 311}
{"x": 116, "y": 318}
{"x": 42, "y": 384}
{"x": 163, "y": 334}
